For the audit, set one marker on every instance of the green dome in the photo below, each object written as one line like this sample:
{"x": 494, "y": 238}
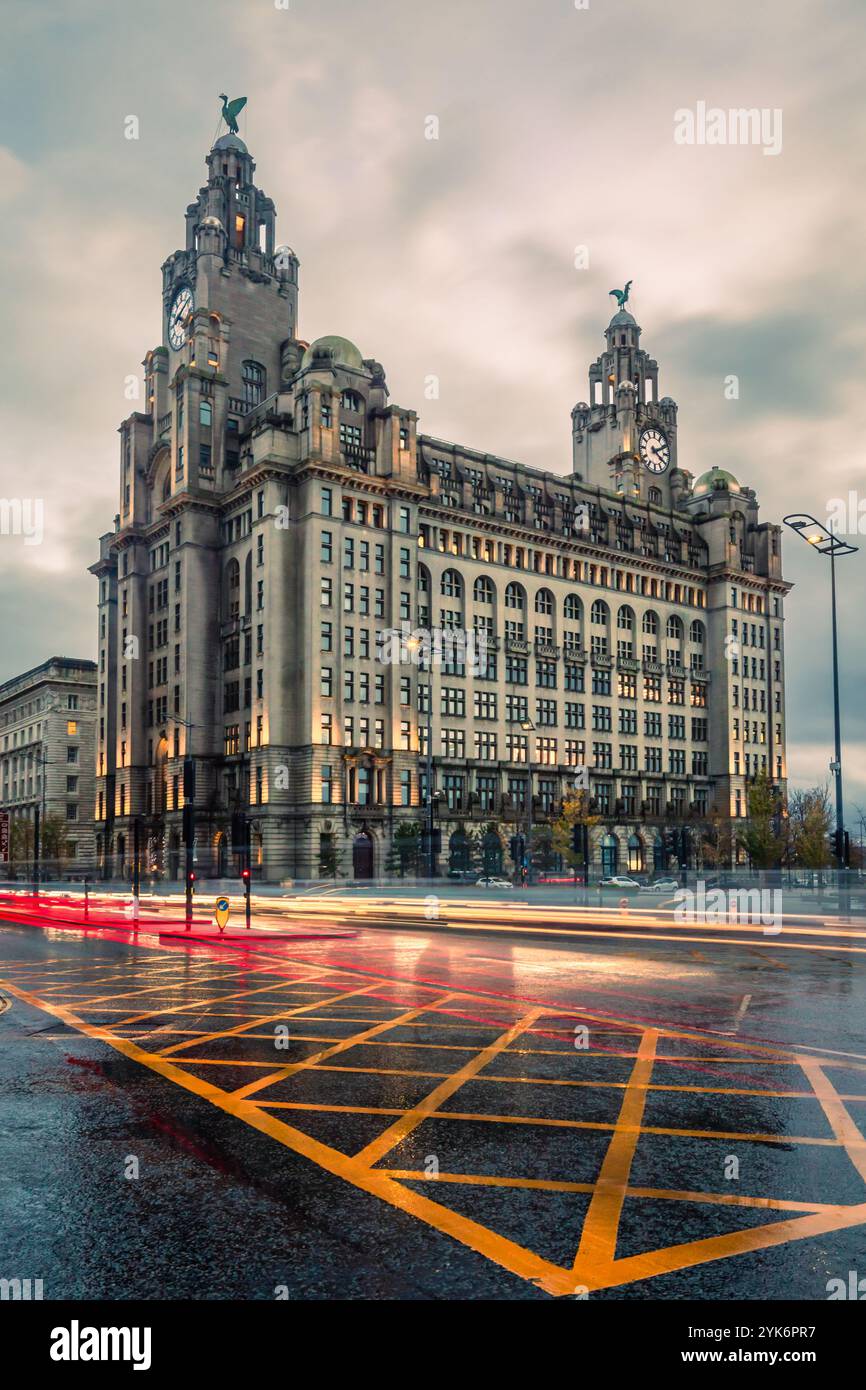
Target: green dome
{"x": 715, "y": 480}
{"x": 231, "y": 142}
{"x": 341, "y": 350}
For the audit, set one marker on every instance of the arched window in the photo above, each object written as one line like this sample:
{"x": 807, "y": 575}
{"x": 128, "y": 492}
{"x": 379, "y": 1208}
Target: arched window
{"x": 483, "y": 590}
{"x": 609, "y": 855}
{"x": 599, "y": 613}
{"x": 675, "y": 628}
{"x": 573, "y": 608}
{"x": 232, "y": 589}
{"x": 625, "y": 619}
{"x": 515, "y": 596}
{"x": 254, "y": 379}
{"x": 248, "y": 583}
{"x": 655, "y": 496}
{"x": 650, "y": 624}
{"x": 350, "y": 400}
{"x": 544, "y": 601}
{"x": 451, "y": 585}
{"x": 696, "y": 632}
{"x": 636, "y": 855}
{"x": 423, "y": 579}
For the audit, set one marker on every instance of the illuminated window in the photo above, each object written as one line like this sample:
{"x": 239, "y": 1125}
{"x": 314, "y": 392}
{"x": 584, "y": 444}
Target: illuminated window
{"x": 72, "y": 726}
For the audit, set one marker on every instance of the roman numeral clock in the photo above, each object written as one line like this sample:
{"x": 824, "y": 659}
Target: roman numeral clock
{"x": 654, "y": 450}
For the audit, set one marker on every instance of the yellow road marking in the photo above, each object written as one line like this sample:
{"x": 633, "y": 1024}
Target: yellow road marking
{"x": 345, "y": 1043}
{"x": 838, "y": 1118}
{"x": 269, "y": 1018}
{"x": 414, "y": 1117}
{"x": 598, "y": 1238}
{"x": 727, "y": 1199}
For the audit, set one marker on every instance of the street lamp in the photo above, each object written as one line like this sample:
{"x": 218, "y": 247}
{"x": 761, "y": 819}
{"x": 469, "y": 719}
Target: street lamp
{"x": 413, "y": 643}
{"x": 822, "y": 539}
{"x": 528, "y": 728}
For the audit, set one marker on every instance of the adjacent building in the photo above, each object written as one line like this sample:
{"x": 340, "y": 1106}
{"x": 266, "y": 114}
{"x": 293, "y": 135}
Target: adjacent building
{"x": 48, "y": 758}
{"x": 280, "y": 518}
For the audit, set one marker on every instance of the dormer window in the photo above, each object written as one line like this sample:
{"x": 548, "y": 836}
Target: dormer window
{"x": 350, "y": 400}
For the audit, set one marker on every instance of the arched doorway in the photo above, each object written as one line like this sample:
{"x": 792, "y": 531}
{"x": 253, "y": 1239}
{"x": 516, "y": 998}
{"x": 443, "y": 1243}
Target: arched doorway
{"x": 221, "y": 854}
{"x": 636, "y": 855}
{"x": 459, "y": 852}
{"x": 362, "y": 855}
{"x": 160, "y": 777}
{"x": 491, "y": 853}
{"x": 609, "y": 856}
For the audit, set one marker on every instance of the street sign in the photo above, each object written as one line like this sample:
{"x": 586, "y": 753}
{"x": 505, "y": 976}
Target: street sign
{"x": 4, "y": 837}
{"x": 221, "y": 912}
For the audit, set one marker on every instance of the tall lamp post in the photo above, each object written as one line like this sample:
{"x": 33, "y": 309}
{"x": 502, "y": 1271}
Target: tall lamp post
{"x": 822, "y": 539}
{"x": 414, "y": 644}
{"x": 528, "y": 728}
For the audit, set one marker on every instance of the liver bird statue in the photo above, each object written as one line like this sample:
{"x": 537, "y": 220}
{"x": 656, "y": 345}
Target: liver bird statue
{"x": 231, "y": 110}
{"x": 621, "y": 295}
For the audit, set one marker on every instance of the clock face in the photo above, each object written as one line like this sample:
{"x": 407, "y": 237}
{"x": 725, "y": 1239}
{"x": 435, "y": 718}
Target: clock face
{"x": 181, "y": 308}
{"x": 654, "y": 450}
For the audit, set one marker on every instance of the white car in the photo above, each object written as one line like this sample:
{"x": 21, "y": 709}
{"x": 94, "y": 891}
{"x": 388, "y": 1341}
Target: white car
{"x": 618, "y": 881}
{"x": 492, "y": 881}
{"x": 661, "y": 885}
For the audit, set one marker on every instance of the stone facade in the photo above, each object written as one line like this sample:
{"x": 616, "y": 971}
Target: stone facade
{"x": 47, "y": 752}
{"x": 280, "y": 517}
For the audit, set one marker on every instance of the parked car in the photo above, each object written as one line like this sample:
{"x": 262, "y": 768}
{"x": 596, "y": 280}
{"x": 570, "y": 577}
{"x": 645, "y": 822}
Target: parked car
{"x": 493, "y": 881}
{"x": 661, "y": 885}
{"x": 618, "y": 881}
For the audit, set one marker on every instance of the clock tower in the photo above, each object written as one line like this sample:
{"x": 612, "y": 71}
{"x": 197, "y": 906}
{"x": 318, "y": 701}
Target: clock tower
{"x": 625, "y": 438}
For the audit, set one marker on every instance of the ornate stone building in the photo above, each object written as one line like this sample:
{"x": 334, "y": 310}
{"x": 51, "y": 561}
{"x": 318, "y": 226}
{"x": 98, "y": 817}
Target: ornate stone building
{"x": 279, "y": 516}
{"x": 47, "y": 748}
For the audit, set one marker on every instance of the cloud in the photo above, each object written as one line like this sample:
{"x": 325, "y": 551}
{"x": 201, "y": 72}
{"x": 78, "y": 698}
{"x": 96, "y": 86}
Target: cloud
{"x": 452, "y": 256}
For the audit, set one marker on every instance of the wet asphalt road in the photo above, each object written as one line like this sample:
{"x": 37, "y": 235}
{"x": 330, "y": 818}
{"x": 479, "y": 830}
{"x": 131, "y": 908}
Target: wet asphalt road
{"x": 143, "y": 1174}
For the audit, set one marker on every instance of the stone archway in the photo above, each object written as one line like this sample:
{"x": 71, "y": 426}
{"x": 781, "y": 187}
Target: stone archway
{"x": 609, "y": 856}
{"x": 491, "y": 853}
{"x": 636, "y": 855}
{"x": 221, "y": 854}
{"x": 362, "y": 855}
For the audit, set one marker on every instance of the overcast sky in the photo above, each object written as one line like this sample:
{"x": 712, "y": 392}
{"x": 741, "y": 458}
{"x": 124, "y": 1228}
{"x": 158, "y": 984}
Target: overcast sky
{"x": 454, "y": 256}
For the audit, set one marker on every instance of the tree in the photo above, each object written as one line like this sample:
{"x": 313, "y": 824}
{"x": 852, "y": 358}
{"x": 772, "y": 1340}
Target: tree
{"x": 405, "y": 849}
{"x": 811, "y": 822}
{"x": 329, "y": 858}
{"x": 717, "y": 839}
{"x": 760, "y": 837}
{"x": 575, "y": 811}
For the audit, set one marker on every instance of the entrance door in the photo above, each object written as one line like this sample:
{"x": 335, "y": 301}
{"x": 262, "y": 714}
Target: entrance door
{"x": 362, "y": 856}
{"x": 609, "y": 856}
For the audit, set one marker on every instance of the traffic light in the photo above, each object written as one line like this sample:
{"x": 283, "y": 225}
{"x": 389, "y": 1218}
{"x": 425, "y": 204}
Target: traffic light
{"x": 245, "y": 875}
{"x": 239, "y": 831}
{"x": 842, "y": 848}
{"x": 188, "y": 824}
{"x": 190, "y": 878}
{"x": 188, "y": 779}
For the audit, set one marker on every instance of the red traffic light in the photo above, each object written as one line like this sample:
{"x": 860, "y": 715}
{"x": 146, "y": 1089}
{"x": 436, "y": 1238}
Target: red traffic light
{"x": 245, "y": 875}
{"x": 190, "y": 878}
